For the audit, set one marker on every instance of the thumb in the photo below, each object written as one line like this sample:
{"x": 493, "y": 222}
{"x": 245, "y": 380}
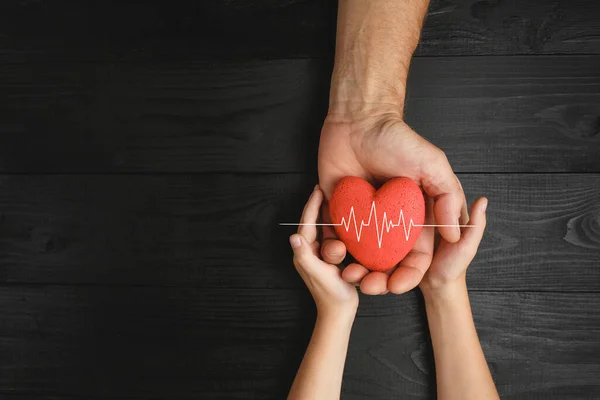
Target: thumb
{"x": 440, "y": 183}
{"x": 303, "y": 254}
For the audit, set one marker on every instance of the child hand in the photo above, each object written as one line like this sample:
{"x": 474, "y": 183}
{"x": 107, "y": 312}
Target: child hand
{"x": 450, "y": 260}
{"x": 333, "y": 295}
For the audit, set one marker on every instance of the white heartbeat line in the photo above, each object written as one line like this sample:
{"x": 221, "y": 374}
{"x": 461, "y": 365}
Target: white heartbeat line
{"x": 388, "y": 225}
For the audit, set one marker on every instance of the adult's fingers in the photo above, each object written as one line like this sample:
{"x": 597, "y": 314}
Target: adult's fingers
{"x": 440, "y": 183}
{"x": 413, "y": 267}
{"x": 354, "y": 273}
{"x": 374, "y": 283}
{"x": 310, "y": 215}
{"x": 333, "y": 251}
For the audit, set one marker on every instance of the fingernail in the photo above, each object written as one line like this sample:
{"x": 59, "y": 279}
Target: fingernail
{"x": 484, "y": 206}
{"x": 316, "y": 187}
{"x": 295, "y": 242}
{"x": 458, "y": 227}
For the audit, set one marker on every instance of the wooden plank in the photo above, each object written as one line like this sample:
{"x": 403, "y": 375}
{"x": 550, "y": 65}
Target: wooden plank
{"x": 210, "y": 343}
{"x": 179, "y": 343}
{"x": 530, "y": 341}
{"x": 489, "y": 114}
{"x": 222, "y": 230}
{"x": 488, "y": 27}
{"x": 41, "y": 396}
{"x": 160, "y": 30}
{"x": 262, "y": 116}
{"x": 189, "y": 30}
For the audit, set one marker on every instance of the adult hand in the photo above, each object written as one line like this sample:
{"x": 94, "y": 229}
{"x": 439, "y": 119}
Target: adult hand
{"x": 376, "y": 144}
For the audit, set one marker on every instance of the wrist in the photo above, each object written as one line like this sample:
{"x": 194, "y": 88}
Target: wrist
{"x": 444, "y": 293}
{"x": 343, "y": 317}
{"x": 351, "y": 97}
{"x": 355, "y": 92}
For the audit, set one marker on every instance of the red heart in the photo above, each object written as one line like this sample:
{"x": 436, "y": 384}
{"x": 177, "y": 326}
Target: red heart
{"x": 387, "y": 216}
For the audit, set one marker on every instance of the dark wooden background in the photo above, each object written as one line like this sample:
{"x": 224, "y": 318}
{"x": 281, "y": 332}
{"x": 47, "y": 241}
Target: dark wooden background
{"x": 148, "y": 150}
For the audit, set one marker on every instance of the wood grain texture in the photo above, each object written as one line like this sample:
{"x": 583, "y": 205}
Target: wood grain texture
{"x": 526, "y": 338}
{"x": 222, "y": 230}
{"x": 189, "y": 30}
{"x": 210, "y": 343}
{"x": 488, "y": 114}
{"x": 206, "y": 117}
{"x": 185, "y": 131}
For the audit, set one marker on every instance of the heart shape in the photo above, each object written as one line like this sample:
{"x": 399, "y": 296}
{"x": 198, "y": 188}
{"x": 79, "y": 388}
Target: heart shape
{"x": 378, "y": 227}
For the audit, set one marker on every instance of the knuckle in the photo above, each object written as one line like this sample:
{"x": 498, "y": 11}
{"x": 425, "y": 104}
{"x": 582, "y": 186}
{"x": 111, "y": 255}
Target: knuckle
{"x": 297, "y": 262}
{"x": 438, "y": 156}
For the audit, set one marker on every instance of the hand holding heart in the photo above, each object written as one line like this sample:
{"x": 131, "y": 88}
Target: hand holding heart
{"x": 378, "y": 146}
{"x": 333, "y": 296}
{"x": 450, "y": 261}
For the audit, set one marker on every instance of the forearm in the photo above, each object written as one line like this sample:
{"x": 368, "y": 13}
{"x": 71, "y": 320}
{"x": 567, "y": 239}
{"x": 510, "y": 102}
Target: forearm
{"x": 375, "y": 42}
{"x": 320, "y": 374}
{"x": 461, "y": 369}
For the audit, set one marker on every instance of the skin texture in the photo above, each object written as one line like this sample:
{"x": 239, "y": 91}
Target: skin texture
{"x": 364, "y": 133}
{"x": 461, "y": 369}
{"x": 320, "y": 374}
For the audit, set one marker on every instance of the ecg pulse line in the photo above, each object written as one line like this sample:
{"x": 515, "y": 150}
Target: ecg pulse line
{"x": 386, "y": 225}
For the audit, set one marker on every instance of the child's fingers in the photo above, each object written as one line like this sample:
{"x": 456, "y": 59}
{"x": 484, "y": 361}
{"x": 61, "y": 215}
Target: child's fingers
{"x": 472, "y": 235}
{"x": 310, "y": 215}
{"x": 464, "y": 211}
{"x": 302, "y": 251}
